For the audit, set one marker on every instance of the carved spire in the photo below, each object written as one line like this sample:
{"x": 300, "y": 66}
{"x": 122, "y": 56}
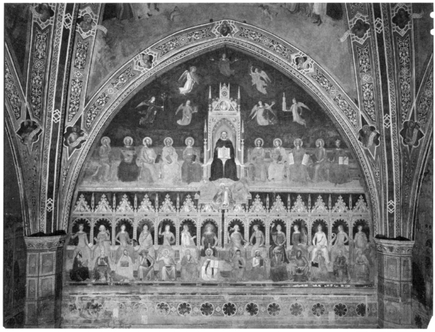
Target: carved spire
{"x": 319, "y": 206}
{"x": 188, "y": 205}
{"x": 125, "y": 205}
{"x": 278, "y": 206}
{"x": 257, "y": 206}
{"x": 299, "y": 205}
{"x": 146, "y": 206}
{"x": 82, "y": 205}
{"x": 340, "y": 206}
{"x": 103, "y": 205}
{"x": 167, "y": 205}
{"x": 361, "y": 205}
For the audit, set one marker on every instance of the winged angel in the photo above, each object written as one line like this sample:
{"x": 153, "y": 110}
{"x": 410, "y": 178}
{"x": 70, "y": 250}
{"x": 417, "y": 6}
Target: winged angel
{"x": 264, "y": 114}
{"x": 190, "y": 77}
{"x": 259, "y": 79}
{"x": 296, "y": 109}
{"x": 187, "y": 111}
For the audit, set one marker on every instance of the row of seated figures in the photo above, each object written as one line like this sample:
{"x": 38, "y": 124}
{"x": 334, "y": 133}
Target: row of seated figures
{"x": 342, "y": 260}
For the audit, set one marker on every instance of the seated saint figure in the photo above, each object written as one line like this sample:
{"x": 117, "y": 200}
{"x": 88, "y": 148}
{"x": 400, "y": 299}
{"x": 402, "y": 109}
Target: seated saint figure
{"x": 128, "y": 170}
{"x": 191, "y": 171}
{"x": 170, "y": 166}
{"x": 320, "y": 243}
{"x": 236, "y": 239}
{"x": 125, "y": 243}
{"x": 259, "y": 239}
{"x": 189, "y": 267}
{"x": 168, "y": 236}
{"x": 167, "y": 266}
{"x": 210, "y": 267}
{"x": 340, "y": 267}
{"x": 238, "y": 264}
{"x": 124, "y": 266}
{"x": 257, "y": 167}
{"x": 145, "y": 266}
{"x": 339, "y": 169}
{"x": 83, "y": 245}
{"x": 277, "y": 169}
{"x": 103, "y": 241}
{"x": 146, "y": 161}
{"x": 209, "y": 240}
{"x": 146, "y": 241}
{"x": 320, "y": 165}
{"x": 187, "y": 240}
{"x": 298, "y": 163}
{"x": 224, "y": 159}
{"x": 80, "y": 270}
{"x": 101, "y": 270}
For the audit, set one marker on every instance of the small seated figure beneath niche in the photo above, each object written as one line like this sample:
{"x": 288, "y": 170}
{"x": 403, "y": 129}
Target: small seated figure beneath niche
{"x": 258, "y": 271}
{"x": 125, "y": 244}
{"x": 101, "y": 268}
{"x": 210, "y": 267}
{"x": 238, "y": 264}
{"x": 80, "y": 270}
{"x": 300, "y": 268}
{"x": 145, "y": 266}
{"x": 124, "y": 267}
{"x": 189, "y": 267}
{"x": 362, "y": 267}
{"x": 319, "y": 269}
{"x": 167, "y": 266}
{"x": 340, "y": 267}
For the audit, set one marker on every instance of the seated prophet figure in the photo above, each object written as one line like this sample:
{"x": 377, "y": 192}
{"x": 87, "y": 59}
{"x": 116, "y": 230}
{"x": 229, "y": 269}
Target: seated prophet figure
{"x": 124, "y": 266}
{"x": 320, "y": 244}
{"x": 167, "y": 266}
{"x": 145, "y": 266}
{"x": 257, "y": 168}
{"x": 191, "y": 170}
{"x": 210, "y": 267}
{"x": 189, "y": 267}
{"x": 238, "y": 264}
{"x": 224, "y": 159}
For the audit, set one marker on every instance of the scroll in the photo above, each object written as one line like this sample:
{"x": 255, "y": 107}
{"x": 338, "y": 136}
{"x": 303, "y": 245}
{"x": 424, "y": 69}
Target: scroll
{"x": 305, "y": 159}
{"x": 343, "y": 160}
{"x": 291, "y": 159}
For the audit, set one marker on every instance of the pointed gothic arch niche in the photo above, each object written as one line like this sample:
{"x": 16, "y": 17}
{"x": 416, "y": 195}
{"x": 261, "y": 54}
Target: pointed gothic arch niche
{"x": 130, "y": 96}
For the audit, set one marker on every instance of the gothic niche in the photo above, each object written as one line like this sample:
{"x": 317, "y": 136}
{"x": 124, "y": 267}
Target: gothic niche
{"x": 222, "y": 170}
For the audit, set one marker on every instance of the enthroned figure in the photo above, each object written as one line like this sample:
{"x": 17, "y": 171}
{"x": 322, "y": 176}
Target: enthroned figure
{"x": 224, "y": 159}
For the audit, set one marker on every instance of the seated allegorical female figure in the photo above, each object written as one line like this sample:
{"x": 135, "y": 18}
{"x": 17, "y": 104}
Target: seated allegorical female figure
{"x": 320, "y": 243}
{"x": 146, "y": 241}
{"x": 168, "y": 236}
{"x": 145, "y": 266}
{"x": 170, "y": 165}
{"x": 83, "y": 245}
{"x": 209, "y": 240}
{"x": 360, "y": 240}
{"x": 103, "y": 241}
{"x": 167, "y": 266}
{"x": 258, "y": 236}
{"x": 278, "y": 245}
{"x": 191, "y": 170}
{"x": 236, "y": 239}
{"x": 125, "y": 243}
{"x": 187, "y": 240}
{"x": 338, "y": 242}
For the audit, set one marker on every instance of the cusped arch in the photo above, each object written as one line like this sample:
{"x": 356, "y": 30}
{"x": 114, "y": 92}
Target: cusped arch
{"x": 188, "y": 43}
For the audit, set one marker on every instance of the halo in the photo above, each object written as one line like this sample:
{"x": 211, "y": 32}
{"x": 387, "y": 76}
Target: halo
{"x": 320, "y": 140}
{"x": 209, "y": 224}
{"x": 171, "y": 141}
{"x": 128, "y": 141}
{"x": 259, "y": 139}
{"x": 208, "y": 250}
{"x": 277, "y": 140}
{"x": 105, "y": 139}
{"x": 298, "y": 140}
{"x": 189, "y": 138}
{"x": 145, "y": 139}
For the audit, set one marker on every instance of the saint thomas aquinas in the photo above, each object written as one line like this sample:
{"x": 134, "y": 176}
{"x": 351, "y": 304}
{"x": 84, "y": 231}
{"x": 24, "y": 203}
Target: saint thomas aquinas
{"x": 223, "y": 165}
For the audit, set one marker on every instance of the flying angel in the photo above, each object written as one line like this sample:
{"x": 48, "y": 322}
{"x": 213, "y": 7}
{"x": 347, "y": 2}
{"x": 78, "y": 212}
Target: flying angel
{"x": 190, "y": 77}
{"x": 260, "y": 79}
{"x": 296, "y": 109}
{"x": 264, "y": 114}
{"x": 188, "y": 111}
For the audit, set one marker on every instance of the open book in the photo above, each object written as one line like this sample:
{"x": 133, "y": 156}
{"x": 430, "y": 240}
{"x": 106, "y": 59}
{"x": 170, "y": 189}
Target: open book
{"x": 291, "y": 159}
{"x": 224, "y": 153}
{"x": 343, "y": 160}
{"x": 305, "y": 159}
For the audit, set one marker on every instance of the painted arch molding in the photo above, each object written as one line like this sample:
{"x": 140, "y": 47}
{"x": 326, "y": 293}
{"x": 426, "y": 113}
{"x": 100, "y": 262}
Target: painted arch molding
{"x": 189, "y": 43}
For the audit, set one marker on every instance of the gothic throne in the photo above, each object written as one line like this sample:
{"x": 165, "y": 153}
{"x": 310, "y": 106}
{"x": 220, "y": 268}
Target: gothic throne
{"x": 223, "y": 116}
